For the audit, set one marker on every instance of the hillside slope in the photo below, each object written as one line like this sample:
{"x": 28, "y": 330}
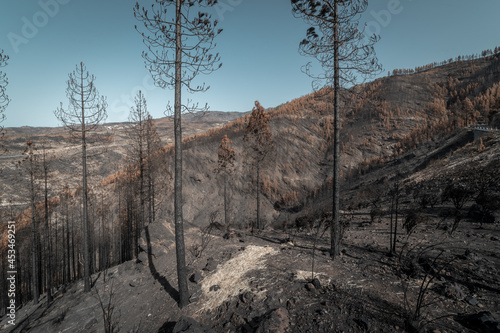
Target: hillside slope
{"x": 410, "y": 129}
{"x": 381, "y": 121}
{"x": 250, "y": 283}
{"x": 63, "y": 151}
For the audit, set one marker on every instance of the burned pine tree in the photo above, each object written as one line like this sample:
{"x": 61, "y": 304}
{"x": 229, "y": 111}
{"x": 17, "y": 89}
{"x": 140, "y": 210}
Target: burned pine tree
{"x": 68, "y": 236}
{"x": 85, "y": 111}
{"x": 137, "y": 154}
{"x": 30, "y": 165}
{"x": 225, "y": 166}
{"x": 45, "y": 166}
{"x": 259, "y": 142}
{"x": 155, "y": 167}
{"x": 341, "y": 47}
{"x": 179, "y": 37}
{"x": 4, "y": 99}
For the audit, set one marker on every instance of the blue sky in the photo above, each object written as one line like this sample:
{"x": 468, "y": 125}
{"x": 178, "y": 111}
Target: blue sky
{"x": 258, "y": 49}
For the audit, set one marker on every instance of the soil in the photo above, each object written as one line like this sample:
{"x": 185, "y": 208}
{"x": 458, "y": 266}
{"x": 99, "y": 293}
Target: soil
{"x": 362, "y": 290}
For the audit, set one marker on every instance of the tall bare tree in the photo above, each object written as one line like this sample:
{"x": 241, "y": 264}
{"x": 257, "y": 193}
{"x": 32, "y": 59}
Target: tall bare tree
{"x": 138, "y": 118}
{"x": 85, "y": 111}
{"x": 48, "y": 260}
{"x": 31, "y": 166}
{"x": 259, "y": 143}
{"x": 341, "y": 47}
{"x": 154, "y": 162}
{"x": 225, "y": 166}
{"x": 68, "y": 254}
{"x": 395, "y": 196}
{"x": 4, "y": 99}
{"x": 179, "y": 37}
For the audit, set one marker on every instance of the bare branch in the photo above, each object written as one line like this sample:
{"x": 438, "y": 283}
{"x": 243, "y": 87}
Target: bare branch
{"x": 179, "y": 46}
{"x": 85, "y": 112}
{"x": 159, "y": 36}
{"x": 4, "y": 99}
{"x": 356, "y": 50}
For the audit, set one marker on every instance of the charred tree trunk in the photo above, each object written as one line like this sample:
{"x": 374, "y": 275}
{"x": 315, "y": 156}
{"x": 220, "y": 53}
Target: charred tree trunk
{"x": 34, "y": 229}
{"x": 259, "y": 223}
{"x": 48, "y": 249}
{"x": 335, "y": 228}
{"x": 179, "y": 227}
{"x": 396, "y": 218}
{"x": 226, "y": 213}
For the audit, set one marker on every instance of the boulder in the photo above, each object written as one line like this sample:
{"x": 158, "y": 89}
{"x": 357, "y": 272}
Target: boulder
{"x": 276, "y": 321}
{"x": 211, "y": 265}
{"x": 195, "y": 277}
{"x": 482, "y": 322}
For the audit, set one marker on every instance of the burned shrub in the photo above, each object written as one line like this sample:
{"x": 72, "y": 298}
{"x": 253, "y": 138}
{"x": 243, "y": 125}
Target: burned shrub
{"x": 425, "y": 263}
{"x": 376, "y": 215}
{"x": 479, "y": 214}
{"x": 458, "y": 193}
{"x": 426, "y": 195}
{"x": 412, "y": 220}
{"x": 488, "y": 202}
{"x": 309, "y": 219}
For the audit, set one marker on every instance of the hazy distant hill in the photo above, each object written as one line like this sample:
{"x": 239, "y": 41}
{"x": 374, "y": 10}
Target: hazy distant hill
{"x": 65, "y": 149}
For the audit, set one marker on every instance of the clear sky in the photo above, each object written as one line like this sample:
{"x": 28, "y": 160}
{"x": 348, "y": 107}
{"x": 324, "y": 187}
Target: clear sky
{"x": 45, "y": 39}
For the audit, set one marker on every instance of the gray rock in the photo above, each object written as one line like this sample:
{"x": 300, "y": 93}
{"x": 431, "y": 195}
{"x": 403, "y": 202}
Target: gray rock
{"x": 316, "y": 283}
{"x": 194, "y": 298}
{"x": 237, "y": 320}
{"x": 277, "y": 321}
{"x": 195, "y": 277}
{"x": 246, "y": 297}
{"x": 189, "y": 325}
{"x": 483, "y": 321}
{"x": 471, "y": 300}
{"x": 291, "y": 302}
{"x": 143, "y": 258}
{"x": 452, "y": 290}
{"x": 310, "y": 287}
{"x": 211, "y": 265}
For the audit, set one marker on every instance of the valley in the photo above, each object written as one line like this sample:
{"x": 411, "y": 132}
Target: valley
{"x": 420, "y": 201}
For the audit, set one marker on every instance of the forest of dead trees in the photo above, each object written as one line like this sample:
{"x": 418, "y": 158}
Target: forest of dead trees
{"x": 137, "y": 197}
{"x": 59, "y": 241}
{"x": 50, "y": 230}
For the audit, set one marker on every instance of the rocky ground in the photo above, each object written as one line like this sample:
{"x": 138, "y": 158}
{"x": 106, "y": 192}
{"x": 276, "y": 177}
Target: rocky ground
{"x": 264, "y": 283}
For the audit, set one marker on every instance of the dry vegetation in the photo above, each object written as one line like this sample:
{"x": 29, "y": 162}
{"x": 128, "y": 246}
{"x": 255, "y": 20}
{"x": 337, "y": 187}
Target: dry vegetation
{"x": 405, "y": 128}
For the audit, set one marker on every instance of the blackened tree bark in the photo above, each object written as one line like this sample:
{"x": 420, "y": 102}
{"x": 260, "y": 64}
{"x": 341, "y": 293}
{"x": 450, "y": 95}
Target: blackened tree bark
{"x": 225, "y": 166}
{"x": 259, "y": 143}
{"x": 138, "y": 117}
{"x": 48, "y": 249}
{"x": 32, "y": 168}
{"x": 179, "y": 45}
{"x": 343, "y": 51}
{"x": 66, "y": 202}
{"x": 155, "y": 159}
